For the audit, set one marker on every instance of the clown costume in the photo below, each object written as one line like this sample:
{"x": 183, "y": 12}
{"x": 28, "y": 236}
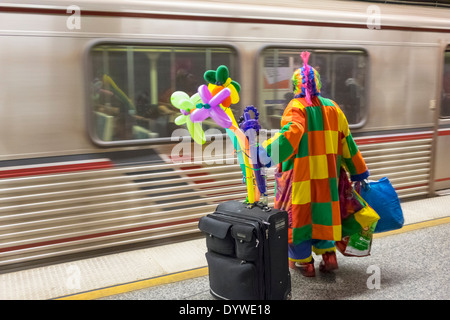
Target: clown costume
{"x": 312, "y": 145}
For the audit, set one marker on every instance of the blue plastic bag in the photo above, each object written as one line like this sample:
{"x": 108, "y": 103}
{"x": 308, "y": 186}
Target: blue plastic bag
{"x": 381, "y": 196}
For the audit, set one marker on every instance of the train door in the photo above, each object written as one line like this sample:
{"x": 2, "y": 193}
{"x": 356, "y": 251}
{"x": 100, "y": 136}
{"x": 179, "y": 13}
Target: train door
{"x": 441, "y": 183}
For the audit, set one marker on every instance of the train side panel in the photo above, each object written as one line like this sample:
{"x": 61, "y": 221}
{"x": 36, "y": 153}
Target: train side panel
{"x": 61, "y": 194}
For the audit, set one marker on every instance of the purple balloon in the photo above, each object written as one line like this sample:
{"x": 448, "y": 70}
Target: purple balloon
{"x": 204, "y": 93}
{"x": 220, "y": 117}
{"x": 199, "y": 115}
{"x": 214, "y": 111}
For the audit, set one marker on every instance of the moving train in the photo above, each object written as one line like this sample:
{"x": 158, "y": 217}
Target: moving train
{"x": 91, "y": 160}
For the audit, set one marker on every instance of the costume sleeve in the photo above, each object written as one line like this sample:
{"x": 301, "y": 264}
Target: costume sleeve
{"x": 352, "y": 157}
{"x": 284, "y": 144}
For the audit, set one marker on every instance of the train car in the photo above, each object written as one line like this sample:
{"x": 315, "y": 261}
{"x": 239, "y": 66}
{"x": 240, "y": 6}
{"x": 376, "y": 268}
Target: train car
{"x": 91, "y": 160}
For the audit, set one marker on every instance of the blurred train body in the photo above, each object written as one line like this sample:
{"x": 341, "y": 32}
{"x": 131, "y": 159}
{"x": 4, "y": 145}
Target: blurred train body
{"x": 85, "y": 170}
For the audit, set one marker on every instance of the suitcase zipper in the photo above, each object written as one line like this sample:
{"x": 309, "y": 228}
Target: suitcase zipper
{"x": 231, "y": 214}
{"x": 244, "y": 221}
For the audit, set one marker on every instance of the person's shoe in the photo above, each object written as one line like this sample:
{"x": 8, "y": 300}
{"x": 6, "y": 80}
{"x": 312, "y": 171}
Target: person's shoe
{"x": 306, "y": 269}
{"x": 329, "y": 262}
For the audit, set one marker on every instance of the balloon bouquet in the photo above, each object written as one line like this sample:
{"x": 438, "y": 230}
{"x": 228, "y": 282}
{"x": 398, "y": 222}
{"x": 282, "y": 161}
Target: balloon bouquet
{"x": 213, "y": 101}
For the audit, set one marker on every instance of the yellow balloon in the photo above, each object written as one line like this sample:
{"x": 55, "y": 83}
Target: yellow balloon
{"x": 181, "y": 119}
{"x": 243, "y": 143}
{"x": 242, "y": 140}
{"x": 178, "y": 97}
{"x": 231, "y": 115}
{"x": 234, "y": 96}
{"x": 196, "y": 131}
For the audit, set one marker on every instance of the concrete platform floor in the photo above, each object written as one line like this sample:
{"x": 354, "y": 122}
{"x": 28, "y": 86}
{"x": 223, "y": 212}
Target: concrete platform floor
{"x": 412, "y": 264}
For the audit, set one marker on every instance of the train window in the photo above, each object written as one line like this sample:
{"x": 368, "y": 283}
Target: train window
{"x": 343, "y": 74}
{"x": 131, "y": 85}
{"x": 445, "y": 99}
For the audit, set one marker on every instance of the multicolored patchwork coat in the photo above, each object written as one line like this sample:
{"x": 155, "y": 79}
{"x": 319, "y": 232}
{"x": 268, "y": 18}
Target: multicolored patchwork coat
{"x": 314, "y": 142}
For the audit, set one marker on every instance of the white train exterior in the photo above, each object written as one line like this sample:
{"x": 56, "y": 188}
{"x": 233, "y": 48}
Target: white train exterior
{"x": 73, "y": 180}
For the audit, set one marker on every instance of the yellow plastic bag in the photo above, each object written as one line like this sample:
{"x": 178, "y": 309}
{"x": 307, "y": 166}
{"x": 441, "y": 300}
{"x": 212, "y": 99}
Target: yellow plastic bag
{"x": 360, "y": 220}
{"x": 366, "y": 216}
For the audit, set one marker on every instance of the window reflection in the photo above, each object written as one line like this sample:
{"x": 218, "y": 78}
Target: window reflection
{"x": 445, "y": 99}
{"x": 342, "y": 73}
{"x": 131, "y": 86}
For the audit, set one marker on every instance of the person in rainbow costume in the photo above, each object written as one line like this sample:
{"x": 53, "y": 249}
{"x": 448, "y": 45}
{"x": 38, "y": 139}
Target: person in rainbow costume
{"x": 312, "y": 145}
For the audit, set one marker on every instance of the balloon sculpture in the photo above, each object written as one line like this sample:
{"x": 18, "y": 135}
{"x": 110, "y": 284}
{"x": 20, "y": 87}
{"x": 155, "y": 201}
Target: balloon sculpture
{"x": 219, "y": 80}
{"x": 251, "y": 128}
{"x": 186, "y": 104}
{"x": 213, "y": 102}
{"x": 210, "y": 107}
{"x": 107, "y": 80}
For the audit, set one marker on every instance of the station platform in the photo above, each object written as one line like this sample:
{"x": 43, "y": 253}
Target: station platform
{"x": 412, "y": 262}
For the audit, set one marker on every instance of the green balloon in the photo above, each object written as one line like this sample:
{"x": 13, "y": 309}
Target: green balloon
{"x": 236, "y": 85}
{"x": 181, "y": 119}
{"x": 222, "y": 75}
{"x": 196, "y": 99}
{"x": 196, "y": 131}
{"x": 210, "y": 76}
{"x": 177, "y": 98}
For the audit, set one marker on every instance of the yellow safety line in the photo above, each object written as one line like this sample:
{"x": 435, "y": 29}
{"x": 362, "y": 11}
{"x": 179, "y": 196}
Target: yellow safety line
{"x": 136, "y": 285}
{"x": 200, "y": 272}
{"x": 414, "y": 226}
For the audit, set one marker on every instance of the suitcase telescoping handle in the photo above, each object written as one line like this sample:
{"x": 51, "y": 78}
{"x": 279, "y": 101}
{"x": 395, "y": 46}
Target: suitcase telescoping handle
{"x": 260, "y": 205}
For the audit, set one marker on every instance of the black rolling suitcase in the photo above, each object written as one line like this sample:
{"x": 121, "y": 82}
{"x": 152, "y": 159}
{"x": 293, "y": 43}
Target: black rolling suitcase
{"x": 247, "y": 252}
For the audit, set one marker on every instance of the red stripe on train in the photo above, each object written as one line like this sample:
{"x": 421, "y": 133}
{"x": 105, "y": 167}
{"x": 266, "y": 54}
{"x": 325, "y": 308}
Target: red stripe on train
{"x": 215, "y": 18}
{"x": 445, "y": 132}
{"x": 396, "y": 138}
{"x": 93, "y": 236}
{"x": 381, "y": 139}
{"x": 60, "y": 168}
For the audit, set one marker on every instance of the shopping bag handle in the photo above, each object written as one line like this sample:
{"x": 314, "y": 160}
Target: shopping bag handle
{"x": 364, "y": 184}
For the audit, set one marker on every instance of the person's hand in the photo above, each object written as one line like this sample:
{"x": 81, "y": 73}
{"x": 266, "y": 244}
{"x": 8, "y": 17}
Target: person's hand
{"x": 263, "y": 158}
{"x": 364, "y": 184}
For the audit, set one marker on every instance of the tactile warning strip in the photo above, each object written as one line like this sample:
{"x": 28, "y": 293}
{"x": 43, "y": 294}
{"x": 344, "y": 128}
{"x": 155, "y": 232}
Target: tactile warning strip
{"x": 426, "y": 209}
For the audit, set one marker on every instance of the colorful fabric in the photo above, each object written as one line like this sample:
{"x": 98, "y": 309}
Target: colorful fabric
{"x": 299, "y": 82}
{"x": 283, "y": 191}
{"x": 348, "y": 201}
{"x": 302, "y": 252}
{"x": 314, "y": 142}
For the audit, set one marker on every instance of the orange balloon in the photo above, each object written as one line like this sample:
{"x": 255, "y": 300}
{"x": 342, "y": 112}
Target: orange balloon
{"x": 227, "y": 102}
